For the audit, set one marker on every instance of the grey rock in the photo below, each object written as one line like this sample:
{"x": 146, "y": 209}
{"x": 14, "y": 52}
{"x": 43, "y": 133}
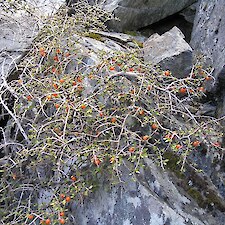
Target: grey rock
{"x": 208, "y": 36}
{"x": 170, "y": 51}
{"x": 152, "y": 199}
{"x": 19, "y": 29}
{"x": 189, "y": 13}
{"x": 135, "y": 14}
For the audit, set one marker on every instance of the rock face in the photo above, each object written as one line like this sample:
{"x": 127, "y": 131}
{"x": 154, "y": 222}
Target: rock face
{"x": 170, "y": 51}
{"x": 18, "y": 30}
{"x": 156, "y": 197}
{"x": 208, "y": 36}
{"x": 136, "y": 14}
{"x": 153, "y": 199}
{"x": 189, "y": 13}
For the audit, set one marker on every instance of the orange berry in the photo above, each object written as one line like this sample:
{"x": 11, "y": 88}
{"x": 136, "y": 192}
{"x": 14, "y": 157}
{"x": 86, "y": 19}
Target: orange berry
{"x": 201, "y": 89}
{"x": 55, "y": 86}
{"x": 183, "y": 90}
{"x": 20, "y": 81}
{"x": 49, "y": 97}
{"x": 67, "y": 54}
{"x": 62, "y": 221}
{"x": 53, "y": 69}
{"x": 155, "y": 126}
{"x": 67, "y": 108}
{"x": 61, "y": 81}
{"x": 131, "y": 69}
{"x": 168, "y": 136}
{"x": 74, "y": 83}
{"x": 112, "y": 68}
{"x": 131, "y": 149}
{"x": 42, "y": 52}
{"x": 149, "y": 87}
{"x": 68, "y": 198}
{"x": 101, "y": 114}
{"x": 48, "y": 221}
{"x": 58, "y": 51}
{"x": 30, "y": 216}
{"x": 196, "y": 143}
{"x": 62, "y": 214}
{"x": 79, "y": 79}
{"x": 83, "y": 106}
{"x": 201, "y": 72}
{"x": 113, "y": 120}
{"x": 178, "y": 146}
{"x": 97, "y": 162}
{"x": 208, "y": 78}
{"x": 73, "y": 178}
{"x": 132, "y": 92}
{"x": 145, "y": 138}
{"x": 14, "y": 177}
{"x": 80, "y": 88}
{"x": 57, "y": 105}
{"x": 56, "y": 58}
{"x": 29, "y": 98}
{"x": 62, "y": 196}
{"x": 167, "y": 73}
{"x": 55, "y": 95}
{"x": 142, "y": 112}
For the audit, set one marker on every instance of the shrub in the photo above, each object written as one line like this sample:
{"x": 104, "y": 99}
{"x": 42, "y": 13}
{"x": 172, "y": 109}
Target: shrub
{"x": 73, "y": 121}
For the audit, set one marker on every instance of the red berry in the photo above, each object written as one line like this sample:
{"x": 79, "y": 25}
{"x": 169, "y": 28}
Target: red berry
{"x": 30, "y": 217}
{"x": 167, "y": 73}
{"x": 62, "y": 221}
{"x": 62, "y": 214}
{"x": 68, "y": 198}
{"x": 183, "y": 90}
{"x": 155, "y": 126}
{"x": 48, "y": 221}
{"x": 73, "y": 178}
{"x": 113, "y": 120}
{"x": 145, "y": 138}
{"x": 196, "y": 143}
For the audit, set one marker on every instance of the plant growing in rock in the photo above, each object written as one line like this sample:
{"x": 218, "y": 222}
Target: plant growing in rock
{"x": 75, "y": 119}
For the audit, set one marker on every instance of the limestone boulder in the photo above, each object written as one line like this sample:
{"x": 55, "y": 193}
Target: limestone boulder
{"x": 170, "y": 51}
{"x": 208, "y": 36}
{"x": 136, "y": 14}
{"x": 153, "y": 199}
{"x": 18, "y": 30}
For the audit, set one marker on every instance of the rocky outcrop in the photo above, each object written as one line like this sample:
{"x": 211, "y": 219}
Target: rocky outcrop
{"x": 170, "y": 51}
{"x": 152, "y": 199}
{"x": 208, "y": 36}
{"x": 18, "y": 30}
{"x": 134, "y": 14}
{"x": 93, "y": 90}
{"x": 189, "y": 13}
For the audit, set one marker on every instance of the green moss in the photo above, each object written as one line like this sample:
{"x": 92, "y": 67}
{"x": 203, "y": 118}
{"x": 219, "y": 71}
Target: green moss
{"x": 140, "y": 44}
{"x": 132, "y": 33}
{"x": 197, "y": 196}
{"x": 172, "y": 164}
{"x": 94, "y": 36}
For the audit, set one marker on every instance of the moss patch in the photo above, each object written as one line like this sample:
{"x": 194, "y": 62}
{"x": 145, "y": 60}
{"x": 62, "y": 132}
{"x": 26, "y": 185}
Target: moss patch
{"x": 95, "y": 36}
{"x": 172, "y": 164}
